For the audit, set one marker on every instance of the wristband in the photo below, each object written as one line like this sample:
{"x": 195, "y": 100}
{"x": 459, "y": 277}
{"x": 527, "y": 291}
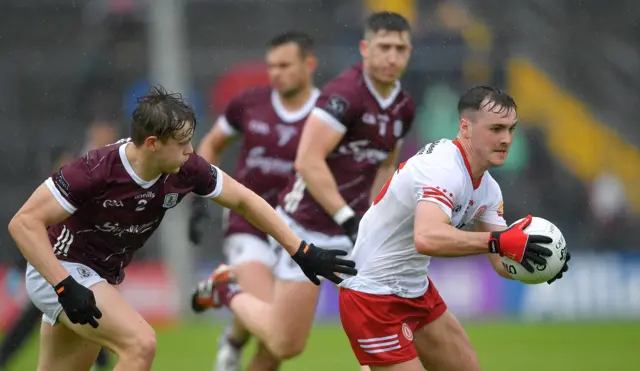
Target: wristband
{"x": 343, "y": 214}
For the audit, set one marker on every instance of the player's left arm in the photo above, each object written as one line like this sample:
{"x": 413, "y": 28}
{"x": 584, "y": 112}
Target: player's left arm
{"x": 494, "y": 259}
{"x": 257, "y": 211}
{"x": 226, "y": 191}
{"x": 385, "y": 170}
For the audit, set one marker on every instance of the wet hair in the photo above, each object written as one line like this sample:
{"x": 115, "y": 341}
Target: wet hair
{"x": 386, "y": 21}
{"x": 305, "y": 43}
{"x": 163, "y": 115}
{"x": 481, "y": 96}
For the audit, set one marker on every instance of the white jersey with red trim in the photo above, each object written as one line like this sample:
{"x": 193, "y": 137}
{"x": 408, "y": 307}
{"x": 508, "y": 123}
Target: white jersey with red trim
{"x": 385, "y": 254}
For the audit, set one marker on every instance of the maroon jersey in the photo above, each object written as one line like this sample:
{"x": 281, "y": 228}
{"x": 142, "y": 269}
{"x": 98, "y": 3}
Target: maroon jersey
{"x": 114, "y": 212}
{"x": 270, "y": 139}
{"x": 372, "y": 127}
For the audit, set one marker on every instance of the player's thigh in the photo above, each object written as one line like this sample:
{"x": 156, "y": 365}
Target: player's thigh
{"x": 42, "y": 294}
{"x": 121, "y": 328}
{"x": 253, "y": 260}
{"x": 61, "y": 349}
{"x": 440, "y": 340}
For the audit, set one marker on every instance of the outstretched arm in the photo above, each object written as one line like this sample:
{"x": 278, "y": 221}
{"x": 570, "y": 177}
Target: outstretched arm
{"x": 257, "y": 211}
{"x": 216, "y": 141}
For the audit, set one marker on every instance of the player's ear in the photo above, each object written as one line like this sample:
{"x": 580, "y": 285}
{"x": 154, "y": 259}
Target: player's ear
{"x": 311, "y": 62}
{"x": 151, "y": 143}
{"x": 364, "y": 47}
{"x": 465, "y": 127}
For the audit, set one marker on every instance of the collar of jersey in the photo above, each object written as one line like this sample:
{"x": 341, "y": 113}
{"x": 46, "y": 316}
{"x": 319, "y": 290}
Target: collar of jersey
{"x": 475, "y": 183}
{"x": 383, "y": 102}
{"x": 293, "y": 116}
{"x": 127, "y": 166}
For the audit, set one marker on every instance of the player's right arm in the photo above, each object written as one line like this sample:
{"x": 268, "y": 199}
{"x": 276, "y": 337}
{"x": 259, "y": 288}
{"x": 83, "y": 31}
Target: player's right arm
{"x": 216, "y": 141}
{"x": 29, "y": 230}
{"x": 317, "y": 141}
{"x": 436, "y": 186}
{"x": 51, "y": 203}
{"x": 434, "y": 235}
{"x": 323, "y": 131}
{"x": 226, "y": 129}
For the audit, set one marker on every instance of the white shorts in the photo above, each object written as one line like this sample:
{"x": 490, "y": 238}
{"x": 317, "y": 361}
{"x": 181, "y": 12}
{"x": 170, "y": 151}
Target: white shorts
{"x": 43, "y": 295}
{"x": 244, "y": 247}
{"x": 288, "y": 270}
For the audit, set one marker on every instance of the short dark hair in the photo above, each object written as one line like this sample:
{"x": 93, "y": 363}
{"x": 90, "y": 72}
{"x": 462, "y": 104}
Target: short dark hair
{"x": 305, "y": 42}
{"x": 387, "y": 21}
{"x": 163, "y": 115}
{"x": 473, "y": 99}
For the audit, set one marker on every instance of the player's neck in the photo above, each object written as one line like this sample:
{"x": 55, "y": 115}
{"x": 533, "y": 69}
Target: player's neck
{"x": 384, "y": 90}
{"x": 296, "y": 102}
{"x": 477, "y": 166}
{"x": 141, "y": 163}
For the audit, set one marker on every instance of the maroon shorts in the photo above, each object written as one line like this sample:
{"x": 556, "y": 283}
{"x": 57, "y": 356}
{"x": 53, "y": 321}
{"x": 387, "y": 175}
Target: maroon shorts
{"x": 380, "y": 327}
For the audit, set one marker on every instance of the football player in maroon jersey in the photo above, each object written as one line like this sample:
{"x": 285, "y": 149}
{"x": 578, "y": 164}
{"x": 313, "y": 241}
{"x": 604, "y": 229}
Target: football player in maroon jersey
{"x": 349, "y": 147}
{"x": 82, "y": 226}
{"x": 268, "y": 121}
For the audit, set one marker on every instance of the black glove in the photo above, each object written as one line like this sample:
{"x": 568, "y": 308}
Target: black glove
{"x": 78, "y": 302}
{"x": 198, "y": 218}
{"x": 315, "y": 261}
{"x": 564, "y": 269}
{"x": 350, "y": 226}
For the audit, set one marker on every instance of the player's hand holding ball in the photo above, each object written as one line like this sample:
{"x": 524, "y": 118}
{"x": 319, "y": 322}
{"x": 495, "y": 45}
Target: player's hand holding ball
{"x": 78, "y": 302}
{"x": 533, "y": 250}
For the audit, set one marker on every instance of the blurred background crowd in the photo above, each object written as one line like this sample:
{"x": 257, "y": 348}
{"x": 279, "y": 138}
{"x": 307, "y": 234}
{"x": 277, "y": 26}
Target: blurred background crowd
{"x": 70, "y": 73}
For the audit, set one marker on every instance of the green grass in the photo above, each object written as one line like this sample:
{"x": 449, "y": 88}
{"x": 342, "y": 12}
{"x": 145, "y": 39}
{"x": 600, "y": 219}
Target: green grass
{"x": 501, "y": 346}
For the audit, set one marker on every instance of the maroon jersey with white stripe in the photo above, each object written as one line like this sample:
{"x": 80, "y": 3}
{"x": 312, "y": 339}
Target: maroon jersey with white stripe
{"x": 270, "y": 137}
{"x": 114, "y": 212}
{"x": 372, "y": 127}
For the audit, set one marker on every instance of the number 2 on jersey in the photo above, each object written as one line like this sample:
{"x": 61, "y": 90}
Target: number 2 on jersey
{"x": 384, "y": 189}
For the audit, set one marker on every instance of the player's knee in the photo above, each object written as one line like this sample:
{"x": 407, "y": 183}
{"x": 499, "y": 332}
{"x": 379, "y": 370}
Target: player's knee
{"x": 289, "y": 347}
{"x": 141, "y": 345}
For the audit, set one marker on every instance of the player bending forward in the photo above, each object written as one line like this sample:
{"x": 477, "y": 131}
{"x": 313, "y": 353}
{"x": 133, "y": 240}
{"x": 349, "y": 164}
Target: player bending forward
{"x": 392, "y": 313}
{"x": 349, "y": 146}
{"x": 80, "y": 229}
{"x": 269, "y": 121}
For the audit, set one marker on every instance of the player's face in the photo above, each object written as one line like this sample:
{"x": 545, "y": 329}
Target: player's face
{"x": 492, "y": 134}
{"x": 288, "y": 70}
{"x": 173, "y": 153}
{"x": 386, "y": 54}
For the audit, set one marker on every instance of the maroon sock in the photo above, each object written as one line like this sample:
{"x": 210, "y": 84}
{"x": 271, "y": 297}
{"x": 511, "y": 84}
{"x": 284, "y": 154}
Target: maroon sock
{"x": 238, "y": 344}
{"x": 227, "y": 292}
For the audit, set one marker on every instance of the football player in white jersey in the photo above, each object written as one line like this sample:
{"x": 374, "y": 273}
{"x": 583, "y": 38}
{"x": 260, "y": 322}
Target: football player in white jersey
{"x": 392, "y": 313}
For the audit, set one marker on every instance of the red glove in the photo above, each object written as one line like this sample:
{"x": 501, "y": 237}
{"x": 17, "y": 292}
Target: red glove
{"x": 519, "y": 246}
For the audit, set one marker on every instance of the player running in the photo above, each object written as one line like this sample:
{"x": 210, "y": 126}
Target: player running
{"x": 392, "y": 313}
{"x": 270, "y": 122}
{"x": 80, "y": 229}
{"x": 349, "y": 145}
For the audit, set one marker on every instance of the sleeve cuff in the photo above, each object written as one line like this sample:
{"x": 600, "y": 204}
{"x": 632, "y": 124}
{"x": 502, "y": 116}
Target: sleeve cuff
{"x": 59, "y": 197}
{"x": 329, "y": 119}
